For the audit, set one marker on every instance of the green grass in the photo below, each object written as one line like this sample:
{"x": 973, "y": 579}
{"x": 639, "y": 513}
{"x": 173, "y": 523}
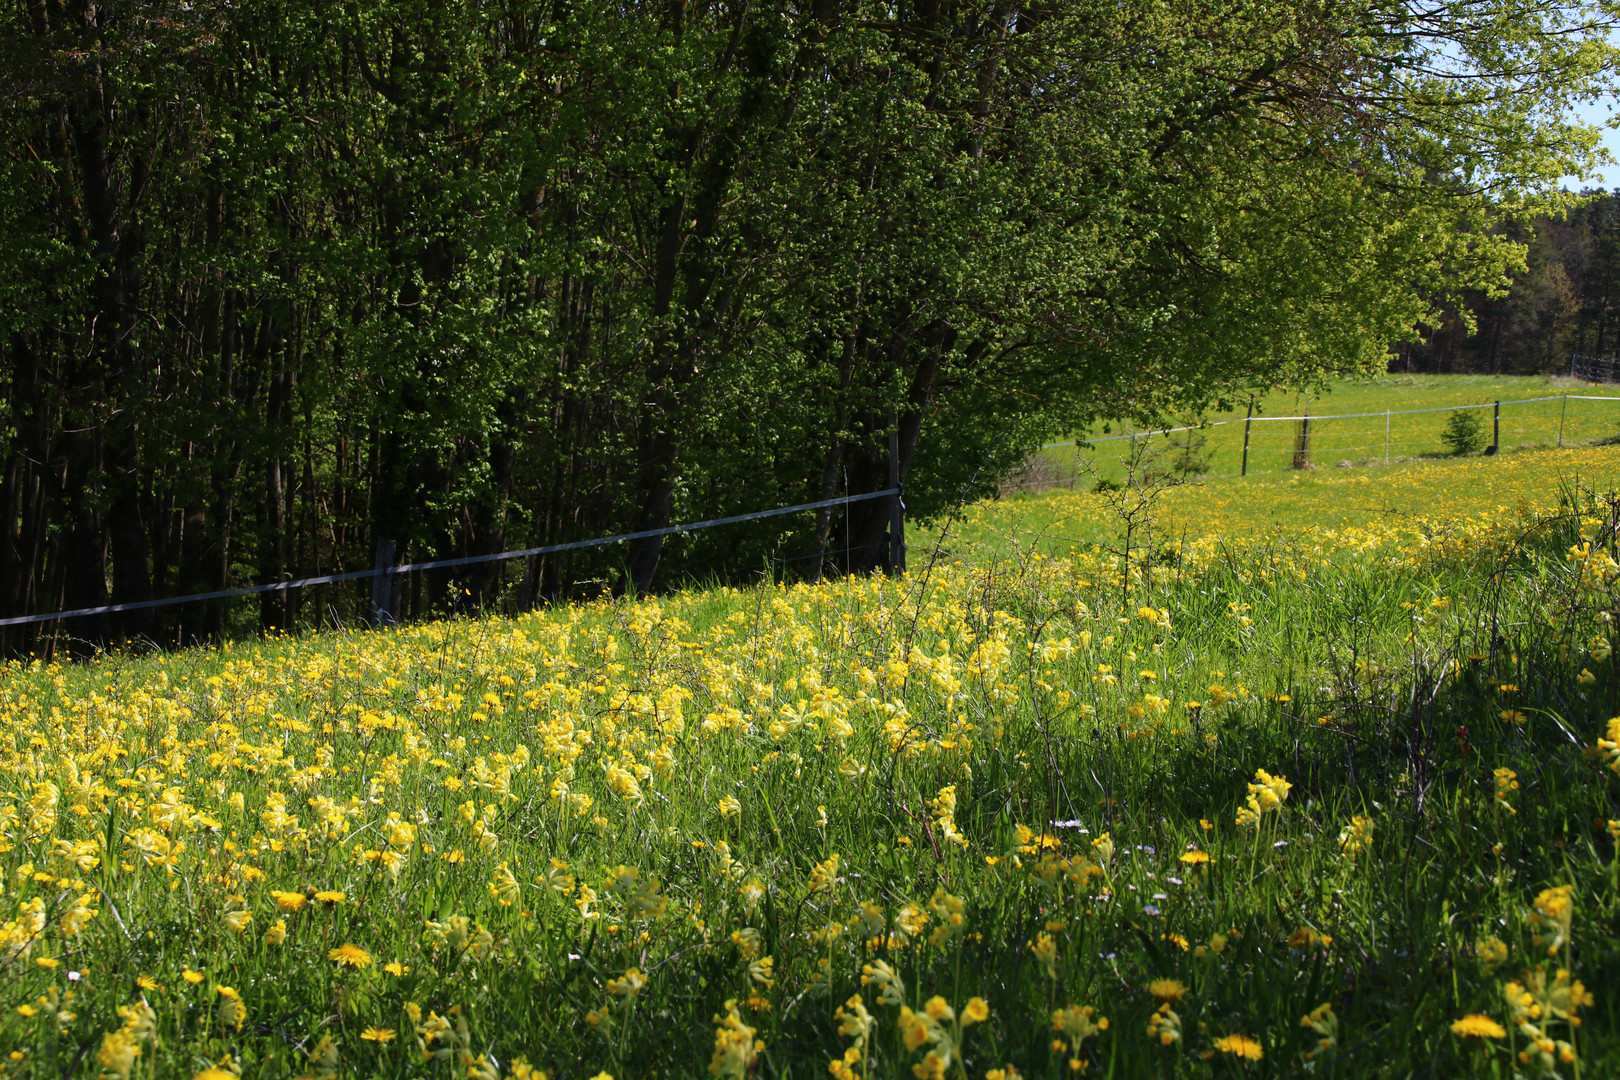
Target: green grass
{"x": 1356, "y": 440}
{"x": 986, "y": 781}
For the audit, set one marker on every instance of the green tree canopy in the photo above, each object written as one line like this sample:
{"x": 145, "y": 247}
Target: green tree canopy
{"x": 288, "y": 278}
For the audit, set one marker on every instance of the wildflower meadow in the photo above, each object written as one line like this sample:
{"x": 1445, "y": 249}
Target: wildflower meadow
{"x": 1332, "y": 797}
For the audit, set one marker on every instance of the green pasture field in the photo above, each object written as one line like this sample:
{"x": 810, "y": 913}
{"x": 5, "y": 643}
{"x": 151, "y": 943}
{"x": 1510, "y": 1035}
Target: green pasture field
{"x": 1357, "y": 440}
{"x": 1289, "y": 788}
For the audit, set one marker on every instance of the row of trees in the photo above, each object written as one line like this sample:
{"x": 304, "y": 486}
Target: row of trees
{"x": 1566, "y": 300}
{"x": 284, "y": 278}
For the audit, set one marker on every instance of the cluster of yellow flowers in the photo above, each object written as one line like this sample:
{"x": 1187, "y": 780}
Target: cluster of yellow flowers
{"x": 777, "y": 798}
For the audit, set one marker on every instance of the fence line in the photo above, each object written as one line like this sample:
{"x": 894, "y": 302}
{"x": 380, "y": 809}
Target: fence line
{"x": 1331, "y": 416}
{"x": 439, "y": 564}
{"x": 1511, "y": 422}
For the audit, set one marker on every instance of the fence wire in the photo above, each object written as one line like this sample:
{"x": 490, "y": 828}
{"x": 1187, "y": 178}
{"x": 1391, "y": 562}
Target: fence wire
{"x": 1344, "y": 440}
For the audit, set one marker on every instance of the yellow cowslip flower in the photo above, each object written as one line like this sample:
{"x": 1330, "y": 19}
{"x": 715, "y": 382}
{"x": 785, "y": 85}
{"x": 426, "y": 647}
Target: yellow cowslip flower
{"x": 323, "y": 1059}
{"x": 629, "y": 986}
{"x": 735, "y": 1046}
{"x": 1535, "y": 999}
{"x": 277, "y": 933}
{"x": 236, "y": 921}
{"x": 1075, "y": 1024}
{"x": 1164, "y": 1026}
{"x": 856, "y": 1023}
{"x": 1609, "y": 748}
{"x": 730, "y": 806}
{"x": 503, "y": 886}
{"x": 557, "y": 878}
{"x": 824, "y": 875}
{"x": 1492, "y": 954}
{"x": 1356, "y": 837}
{"x": 891, "y": 990}
{"x": 1555, "y": 912}
{"x": 1045, "y": 949}
{"x": 976, "y": 1011}
{"x": 1478, "y": 1026}
{"x": 1325, "y": 1023}
{"x": 1266, "y": 795}
{"x": 1240, "y": 1046}
{"x": 349, "y": 955}
{"x": 763, "y": 971}
{"x": 915, "y": 1030}
{"x": 951, "y": 911}
{"x": 232, "y": 1012}
{"x": 1507, "y": 782}
{"x": 118, "y": 1052}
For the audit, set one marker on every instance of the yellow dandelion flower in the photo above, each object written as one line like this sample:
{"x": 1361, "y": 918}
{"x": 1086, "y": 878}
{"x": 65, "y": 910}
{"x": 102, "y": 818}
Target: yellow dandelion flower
{"x": 1479, "y": 1026}
{"x": 378, "y": 1035}
{"x": 1167, "y": 991}
{"x": 289, "y": 903}
{"x": 348, "y": 955}
{"x": 1240, "y": 1046}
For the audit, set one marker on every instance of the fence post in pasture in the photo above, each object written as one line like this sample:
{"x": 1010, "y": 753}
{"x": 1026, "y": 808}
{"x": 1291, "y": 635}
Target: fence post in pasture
{"x": 1496, "y": 430}
{"x": 1563, "y": 408}
{"x": 382, "y": 586}
{"x": 1302, "y": 443}
{"x": 1386, "y": 436}
{"x": 897, "y": 522}
{"x": 1248, "y": 422}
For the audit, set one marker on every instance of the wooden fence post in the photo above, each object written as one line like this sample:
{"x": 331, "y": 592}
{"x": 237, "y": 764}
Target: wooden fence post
{"x": 897, "y": 519}
{"x": 1302, "y": 443}
{"x": 382, "y": 586}
{"x": 1248, "y": 422}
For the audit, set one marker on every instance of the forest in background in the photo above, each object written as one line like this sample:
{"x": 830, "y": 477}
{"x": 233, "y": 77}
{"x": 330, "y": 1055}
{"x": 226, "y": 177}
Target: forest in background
{"x": 284, "y": 279}
{"x": 1565, "y": 300}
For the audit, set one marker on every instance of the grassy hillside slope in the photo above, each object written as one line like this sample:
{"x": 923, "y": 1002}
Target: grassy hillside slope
{"x": 1300, "y": 786}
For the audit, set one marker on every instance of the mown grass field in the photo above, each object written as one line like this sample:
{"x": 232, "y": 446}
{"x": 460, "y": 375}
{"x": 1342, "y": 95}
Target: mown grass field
{"x": 1368, "y": 440}
{"x": 1319, "y": 780}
